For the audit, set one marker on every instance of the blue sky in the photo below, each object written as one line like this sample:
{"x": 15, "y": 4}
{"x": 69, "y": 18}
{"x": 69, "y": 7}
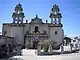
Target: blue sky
{"x": 70, "y": 10}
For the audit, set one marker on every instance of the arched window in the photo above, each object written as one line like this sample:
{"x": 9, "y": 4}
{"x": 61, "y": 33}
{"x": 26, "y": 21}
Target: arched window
{"x": 36, "y": 28}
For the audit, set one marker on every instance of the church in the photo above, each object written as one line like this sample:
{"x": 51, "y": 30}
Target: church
{"x": 35, "y": 31}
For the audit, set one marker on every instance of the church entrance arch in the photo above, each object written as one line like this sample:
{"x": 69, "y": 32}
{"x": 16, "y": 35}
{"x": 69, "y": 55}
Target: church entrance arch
{"x": 36, "y": 38}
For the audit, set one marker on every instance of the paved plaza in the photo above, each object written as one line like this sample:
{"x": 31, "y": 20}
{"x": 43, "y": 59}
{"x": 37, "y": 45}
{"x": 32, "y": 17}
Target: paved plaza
{"x": 31, "y": 55}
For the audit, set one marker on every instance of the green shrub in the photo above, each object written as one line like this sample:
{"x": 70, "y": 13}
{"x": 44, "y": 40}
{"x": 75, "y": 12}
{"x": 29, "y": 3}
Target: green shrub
{"x": 46, "y": 46}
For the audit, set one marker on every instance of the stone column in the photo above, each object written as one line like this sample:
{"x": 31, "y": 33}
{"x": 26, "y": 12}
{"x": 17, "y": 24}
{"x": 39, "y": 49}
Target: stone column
{"x": 17, "y": 20}
{"x": 59, "y": 20}
{"x": 50, "y": 49}
{"x": 70, "y": 47}
{"x": 62, "y": 49}
{"x": 31, "y": 42}
{"x": 13, "y": 20}
{"x": 51, "y": 20}
{"x": 18, "y": 48}
{"x": 39, "y": 48}
{"x": 75, "y": 46}
{"x": 21, "y": 20}
{"x": 55, "y": 21}
{"x": 7, "y": 50}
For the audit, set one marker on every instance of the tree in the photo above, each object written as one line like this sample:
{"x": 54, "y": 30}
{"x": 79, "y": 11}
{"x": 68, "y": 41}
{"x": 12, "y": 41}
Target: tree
{"x": 45, "y": 46}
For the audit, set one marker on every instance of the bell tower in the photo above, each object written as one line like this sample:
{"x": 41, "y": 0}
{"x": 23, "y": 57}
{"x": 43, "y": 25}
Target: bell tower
{"x": 55, "y": 15}
{"x": 18, "y": 14}
{"x": 56, "y": 30}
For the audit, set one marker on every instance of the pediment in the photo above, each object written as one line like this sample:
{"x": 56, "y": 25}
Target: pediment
{"x": 36, "y": 20}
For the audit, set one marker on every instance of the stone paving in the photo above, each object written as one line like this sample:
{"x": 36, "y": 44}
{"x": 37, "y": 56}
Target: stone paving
{"x": 31, "y": 55}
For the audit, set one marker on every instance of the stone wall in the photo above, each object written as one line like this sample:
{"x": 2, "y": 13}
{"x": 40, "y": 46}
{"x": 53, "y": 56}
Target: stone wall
{"x": 57, "y": 35}
{"x": 17, "y": 33}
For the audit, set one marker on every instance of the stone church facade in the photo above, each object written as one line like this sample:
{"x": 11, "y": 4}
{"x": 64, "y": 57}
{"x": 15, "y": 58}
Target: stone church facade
{"x": 35, "y": 31}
